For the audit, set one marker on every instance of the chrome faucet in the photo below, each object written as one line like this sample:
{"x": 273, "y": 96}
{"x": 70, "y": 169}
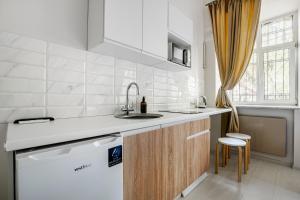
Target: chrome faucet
{"x": 127, "y": 108}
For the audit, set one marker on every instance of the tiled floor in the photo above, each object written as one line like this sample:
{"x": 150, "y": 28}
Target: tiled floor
{"x": 264, "y": 181}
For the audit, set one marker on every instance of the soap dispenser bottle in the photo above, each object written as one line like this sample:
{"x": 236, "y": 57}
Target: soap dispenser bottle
{"x": 143, "y": 106}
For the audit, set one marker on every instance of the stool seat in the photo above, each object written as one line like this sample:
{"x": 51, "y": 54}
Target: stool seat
{"x": 240, "y": 136}
{"x": 232, "y": 142}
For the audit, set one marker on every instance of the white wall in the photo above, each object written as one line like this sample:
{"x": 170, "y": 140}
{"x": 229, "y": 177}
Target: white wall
{"x": 211, "y": 85}
{"x": 273, "y": 8}
{"x": 212, "y": 79}
{"x": 59, "y": 21}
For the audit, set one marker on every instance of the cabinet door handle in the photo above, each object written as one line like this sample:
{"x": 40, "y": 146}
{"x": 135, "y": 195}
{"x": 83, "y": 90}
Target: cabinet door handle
{"x": 198, "y": 134}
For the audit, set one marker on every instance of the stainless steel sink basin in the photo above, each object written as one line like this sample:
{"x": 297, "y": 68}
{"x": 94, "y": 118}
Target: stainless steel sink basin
{"x": 138, "y": 116}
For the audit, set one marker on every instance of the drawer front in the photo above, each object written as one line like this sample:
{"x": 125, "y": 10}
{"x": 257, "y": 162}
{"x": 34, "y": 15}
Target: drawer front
{"x": 199, "y": 126}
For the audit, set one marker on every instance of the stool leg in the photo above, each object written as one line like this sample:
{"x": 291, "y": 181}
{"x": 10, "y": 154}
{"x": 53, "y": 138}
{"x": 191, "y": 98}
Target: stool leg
{"x": 216, "y": 158}
{"x": 245, "y": 159}
{"x": 249, "y": 151}
{"x": 228, "y": 155}
{"x": 223, "y": 155}
{"x": 226, "y": 161}
{"x": 239, "y": 164}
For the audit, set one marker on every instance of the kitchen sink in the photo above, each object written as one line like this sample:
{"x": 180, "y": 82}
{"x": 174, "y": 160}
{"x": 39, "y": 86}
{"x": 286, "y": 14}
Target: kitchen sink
{"x": 138, "y": 116}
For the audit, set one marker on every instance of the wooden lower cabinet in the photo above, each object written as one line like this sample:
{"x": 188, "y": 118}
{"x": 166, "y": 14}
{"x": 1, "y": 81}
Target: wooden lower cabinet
{"x": 143, "y": 166}
{"x": 160, "y": 164}
{"x": 198, "y": 156}
{"x": 174, "y": 160}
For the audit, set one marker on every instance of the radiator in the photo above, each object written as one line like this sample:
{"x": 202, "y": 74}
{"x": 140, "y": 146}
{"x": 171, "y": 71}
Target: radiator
{"x": 268, "y": 134}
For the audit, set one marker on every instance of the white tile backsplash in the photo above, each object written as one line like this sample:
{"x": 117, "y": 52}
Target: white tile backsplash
{"x": 67, "y": 52}
{"x": 9, "y": 54}
{"x": 100, "y": 59}
{"x": 65, "y": 100}
{"x": 38, "y": 78}
{"x": 22, "y": 42}
{"x": 61, "y": 63}
{"x": 100, "y": 89}
{"x": 21, "y": 100}
{"x": 54, "y": 87}
{"x": 100, "y": 69}
{"x": 125, "y": 73}
{"x": 65, "y": 76}
{"x": 99, "y": 100}
{"x": 22, "y": 85}
{"x": 22, "y": 77}
{"x": 16, "y": 70}
{"x": 95, "y": 79}
{"x": 65, "y": 112}
{"x": 99, "y": 84}
{"x": 93, "y": 110}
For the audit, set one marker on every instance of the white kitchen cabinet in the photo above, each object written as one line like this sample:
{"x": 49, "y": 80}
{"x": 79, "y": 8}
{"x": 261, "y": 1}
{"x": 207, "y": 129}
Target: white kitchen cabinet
{"x": 155, "y": 27}
{"x": 134, "y": 30}
{"x": 123, "y": 22}
{"x": 115, "y": 28}
{"x": 180, "y": 25}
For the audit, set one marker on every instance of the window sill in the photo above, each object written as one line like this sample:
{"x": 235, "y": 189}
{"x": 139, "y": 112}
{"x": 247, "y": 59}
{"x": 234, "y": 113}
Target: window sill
{"x": 281, "y": 107}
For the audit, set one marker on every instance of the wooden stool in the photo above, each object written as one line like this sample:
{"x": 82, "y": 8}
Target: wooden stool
{"x": 231, "y": 142}
{"x": 247, "y": 139}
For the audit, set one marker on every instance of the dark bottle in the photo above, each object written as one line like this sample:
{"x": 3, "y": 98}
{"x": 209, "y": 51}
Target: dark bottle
{"x": 143, "y": 106}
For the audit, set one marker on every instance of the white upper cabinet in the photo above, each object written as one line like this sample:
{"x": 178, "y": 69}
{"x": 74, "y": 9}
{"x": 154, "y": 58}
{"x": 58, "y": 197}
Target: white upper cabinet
{"x": 115, "y": 28}
{"x": 155, "y": 27}
{"x": 136, "y": 30}
{"x": 123, "y": 22}
{"x": 180, "y": 25}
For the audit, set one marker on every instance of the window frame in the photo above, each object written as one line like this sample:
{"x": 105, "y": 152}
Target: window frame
{"x": 293, "y": 76}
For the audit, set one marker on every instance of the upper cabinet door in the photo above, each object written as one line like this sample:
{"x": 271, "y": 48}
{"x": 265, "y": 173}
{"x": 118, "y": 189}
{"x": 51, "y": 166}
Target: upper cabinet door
{"x": 180, "y": 25}
{"x": 155, "y": 27}
{"x": 123, "y": 22}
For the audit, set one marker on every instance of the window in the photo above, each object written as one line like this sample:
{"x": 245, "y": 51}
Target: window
{"x": 245, "y": 91}
{"x": 270, "y": 77}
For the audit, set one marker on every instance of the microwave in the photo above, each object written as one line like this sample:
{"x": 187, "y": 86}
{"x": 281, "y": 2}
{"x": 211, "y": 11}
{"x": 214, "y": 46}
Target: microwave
{"x": 179, "y": 55}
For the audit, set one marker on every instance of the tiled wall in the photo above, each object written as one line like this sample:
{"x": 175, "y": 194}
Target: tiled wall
{"x": 38, "y": 78}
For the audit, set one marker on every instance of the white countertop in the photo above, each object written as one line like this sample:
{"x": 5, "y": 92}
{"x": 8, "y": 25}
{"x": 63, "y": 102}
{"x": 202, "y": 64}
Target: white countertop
{"x": 22, "y": 136}
{"x": 281, "y": 107}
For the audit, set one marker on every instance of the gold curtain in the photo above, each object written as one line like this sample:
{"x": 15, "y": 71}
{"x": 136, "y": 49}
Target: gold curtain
{"x": 234, "y": 26}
